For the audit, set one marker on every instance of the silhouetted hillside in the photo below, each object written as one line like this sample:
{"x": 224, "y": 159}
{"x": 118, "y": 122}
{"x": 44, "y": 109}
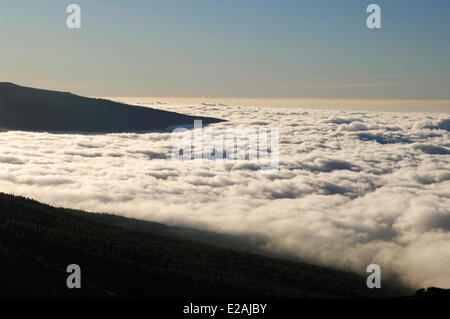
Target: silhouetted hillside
{"x": 432, "y": 293}
{"x": 24, "y": 108}
{"x": 130, "y": 258}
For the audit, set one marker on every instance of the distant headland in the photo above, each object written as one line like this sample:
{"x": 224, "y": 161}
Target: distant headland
{"x": 31, "y": 109}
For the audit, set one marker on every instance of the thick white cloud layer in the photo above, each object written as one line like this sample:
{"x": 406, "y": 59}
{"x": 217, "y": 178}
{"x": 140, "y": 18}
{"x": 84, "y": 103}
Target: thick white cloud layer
{"x": 353, "y": 188}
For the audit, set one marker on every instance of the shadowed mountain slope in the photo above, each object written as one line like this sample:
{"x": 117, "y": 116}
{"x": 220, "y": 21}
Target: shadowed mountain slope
{"x": 24, "y": 108}
{"x": 130, "y": 258}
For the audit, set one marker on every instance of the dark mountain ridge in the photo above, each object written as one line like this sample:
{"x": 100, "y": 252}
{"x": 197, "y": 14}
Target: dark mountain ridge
{"x": 30, "y": 109}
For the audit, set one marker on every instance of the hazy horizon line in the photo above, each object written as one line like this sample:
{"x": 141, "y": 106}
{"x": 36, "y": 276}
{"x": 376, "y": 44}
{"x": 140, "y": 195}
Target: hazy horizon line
{"x": 351, "y": 104}
{"x": 265, "y": 98}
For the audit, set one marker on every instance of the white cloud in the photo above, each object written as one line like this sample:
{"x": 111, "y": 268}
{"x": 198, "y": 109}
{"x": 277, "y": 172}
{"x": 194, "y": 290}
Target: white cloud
{"x": 353, "y": 188}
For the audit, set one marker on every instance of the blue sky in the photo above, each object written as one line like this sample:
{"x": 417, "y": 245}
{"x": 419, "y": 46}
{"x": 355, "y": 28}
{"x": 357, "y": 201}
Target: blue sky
{"x": 231, "y": 48}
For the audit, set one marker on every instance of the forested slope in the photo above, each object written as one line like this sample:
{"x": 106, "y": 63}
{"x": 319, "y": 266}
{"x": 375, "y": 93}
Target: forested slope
{"x": 128, "y": 258}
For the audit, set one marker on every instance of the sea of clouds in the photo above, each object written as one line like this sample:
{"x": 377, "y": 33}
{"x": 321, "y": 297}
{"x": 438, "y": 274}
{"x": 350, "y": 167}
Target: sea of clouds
{"x": 352, "y": 189}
